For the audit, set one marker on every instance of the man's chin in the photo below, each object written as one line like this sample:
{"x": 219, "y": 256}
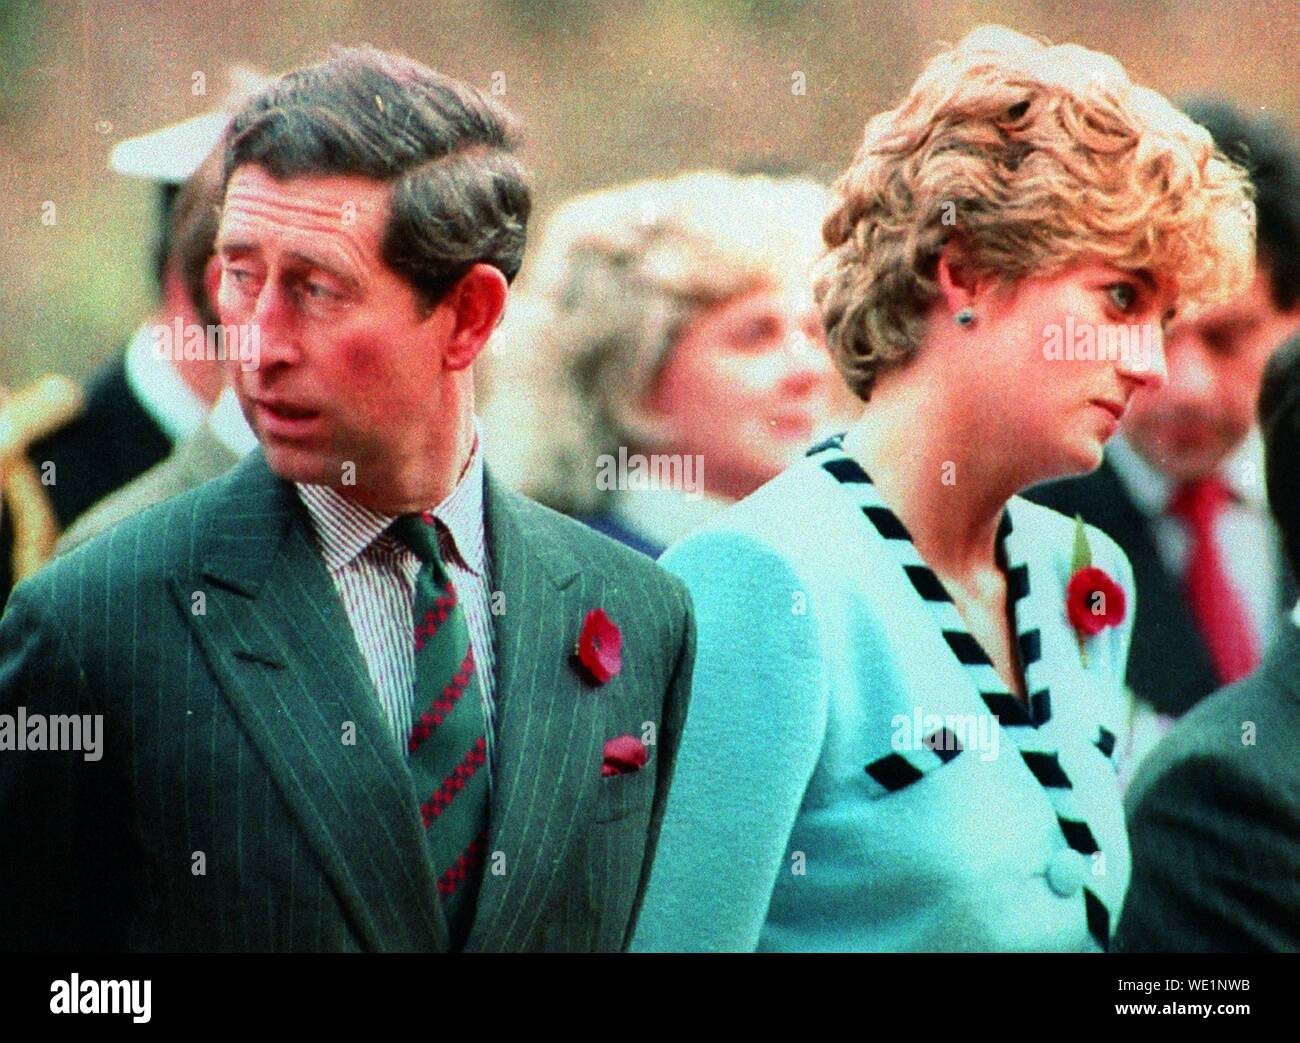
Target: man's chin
{"x": 295, "y": 464}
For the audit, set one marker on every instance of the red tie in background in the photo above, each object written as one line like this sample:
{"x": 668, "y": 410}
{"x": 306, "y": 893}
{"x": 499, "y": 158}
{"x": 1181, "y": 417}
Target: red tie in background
{"x": 1216, "y": 603}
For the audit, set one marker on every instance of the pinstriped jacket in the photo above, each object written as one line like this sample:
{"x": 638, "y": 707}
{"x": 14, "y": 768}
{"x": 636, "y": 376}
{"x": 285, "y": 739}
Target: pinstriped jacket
{"x": 228, "y": 812}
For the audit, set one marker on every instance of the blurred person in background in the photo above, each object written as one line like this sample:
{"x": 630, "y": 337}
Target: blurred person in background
{"x": 669, "y": 322}
{"x": 909, "y": 680}
{"x": 1181, "y": 489}
{"x": 1214, "y": 812}
{"x": 223, "y": 437}
{"x": 140, "y": 406}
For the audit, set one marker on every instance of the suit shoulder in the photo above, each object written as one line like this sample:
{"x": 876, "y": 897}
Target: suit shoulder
{"x": 1058, "y": 529}
{"x": 155, "y": 541}
{"x": 1073, "y": 495}
{"x": 1247, "y": 732}
{"x": 586, "y": 544}
{"x": 779, "y": 513}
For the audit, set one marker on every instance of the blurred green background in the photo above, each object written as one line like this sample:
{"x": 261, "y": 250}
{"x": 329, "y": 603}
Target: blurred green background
{"x": 608, "y": 90}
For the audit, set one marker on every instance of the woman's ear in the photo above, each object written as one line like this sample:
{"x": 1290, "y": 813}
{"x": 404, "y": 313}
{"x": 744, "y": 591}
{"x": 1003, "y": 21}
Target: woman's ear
{"x": 958, "y": 286}
{"x": 477, "y": 302}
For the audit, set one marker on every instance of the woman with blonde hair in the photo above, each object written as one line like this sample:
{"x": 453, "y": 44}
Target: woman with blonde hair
{"x": 908, "y": 682}
{"x": 668, "y": 357}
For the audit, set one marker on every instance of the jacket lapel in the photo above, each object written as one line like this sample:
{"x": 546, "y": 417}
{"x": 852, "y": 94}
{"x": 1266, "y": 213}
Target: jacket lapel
{"x": 1168, "y": 662}
{"x": 550, "y": 730}
{"x": 279, "y": 641}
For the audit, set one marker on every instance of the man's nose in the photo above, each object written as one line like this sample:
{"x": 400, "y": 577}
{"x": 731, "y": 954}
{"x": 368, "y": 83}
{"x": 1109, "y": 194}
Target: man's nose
{"x": 1191, "y": 368}
{"x": 276, "y": 321}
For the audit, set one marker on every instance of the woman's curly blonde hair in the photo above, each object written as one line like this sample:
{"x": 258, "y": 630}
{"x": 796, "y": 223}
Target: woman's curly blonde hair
{"x": 612, "y": 283}
{"x": 1028, "y": 157}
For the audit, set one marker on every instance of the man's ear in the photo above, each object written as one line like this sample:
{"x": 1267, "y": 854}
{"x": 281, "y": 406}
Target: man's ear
{"x": 476, "y": 303}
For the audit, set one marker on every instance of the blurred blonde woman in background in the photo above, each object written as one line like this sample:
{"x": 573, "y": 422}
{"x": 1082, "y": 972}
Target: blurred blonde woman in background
{"x": 667, "y": 336}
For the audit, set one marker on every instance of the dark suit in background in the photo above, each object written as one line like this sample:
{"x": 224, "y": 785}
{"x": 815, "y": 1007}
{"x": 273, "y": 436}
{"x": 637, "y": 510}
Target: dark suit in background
{"x": 1214, "y": 822}
{"x": 224, "y": 719}
{"x": 1169, "y": 665}
{"x": 110, "y": 443}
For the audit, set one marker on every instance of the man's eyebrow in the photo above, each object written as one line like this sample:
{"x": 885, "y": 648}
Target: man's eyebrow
{"x": 242, "y": 246}
{"x": 312, "y": 261}
{"x": 234, "y": 246}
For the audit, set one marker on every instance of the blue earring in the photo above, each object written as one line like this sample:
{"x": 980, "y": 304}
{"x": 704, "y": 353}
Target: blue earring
{"x": 965, "y": 317}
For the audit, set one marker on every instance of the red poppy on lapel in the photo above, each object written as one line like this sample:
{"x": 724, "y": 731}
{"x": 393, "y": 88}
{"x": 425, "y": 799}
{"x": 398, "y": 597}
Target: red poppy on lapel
{"x": 1089, "y": 590}
{"x": 600, "y": 646}
{"x": 624, "y": 754}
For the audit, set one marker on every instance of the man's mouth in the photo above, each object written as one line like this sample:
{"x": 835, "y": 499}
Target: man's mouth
{"x": 287, "y": 410}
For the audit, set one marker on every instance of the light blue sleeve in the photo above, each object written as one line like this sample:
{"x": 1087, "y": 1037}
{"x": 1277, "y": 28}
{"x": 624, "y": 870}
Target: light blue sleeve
{"x": 752, "y": 738}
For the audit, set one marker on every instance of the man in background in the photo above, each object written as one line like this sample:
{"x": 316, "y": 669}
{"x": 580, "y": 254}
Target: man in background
{"x": 1214, "y": 813}
{"x": 139, "y": 406}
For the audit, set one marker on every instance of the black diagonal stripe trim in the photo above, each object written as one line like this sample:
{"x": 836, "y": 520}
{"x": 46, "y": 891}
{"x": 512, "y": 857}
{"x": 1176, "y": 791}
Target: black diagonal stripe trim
{"x": 944, "y": 743}
{"x": 834, "y": 442}
{"x": 1004, "y": 525}
{"x": 1047, "y": 769}
{"x": 1098, "y": 919}
{"x": 1006, "y": 708}
{"x": 926, "y": 583}
{"x": 1018, "y": 583}
{"x": 887, "y": 523}
{"x": 1031, "y": 647}
{"x": 847, "y": 471}
{"x": 1041, "y": 705}
{"x": 893, "y": 772}
{"x": 966, "y": 648}
{"x": 1078, "y": 836}
{"x": 1106, "y": 741}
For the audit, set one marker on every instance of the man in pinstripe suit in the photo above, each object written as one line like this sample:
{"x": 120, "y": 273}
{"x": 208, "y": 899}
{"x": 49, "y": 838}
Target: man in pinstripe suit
{"x": 269, "y": 772}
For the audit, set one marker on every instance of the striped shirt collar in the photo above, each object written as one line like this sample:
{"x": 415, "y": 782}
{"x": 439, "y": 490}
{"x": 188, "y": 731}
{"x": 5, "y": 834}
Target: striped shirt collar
{"x": 345, "y": 529}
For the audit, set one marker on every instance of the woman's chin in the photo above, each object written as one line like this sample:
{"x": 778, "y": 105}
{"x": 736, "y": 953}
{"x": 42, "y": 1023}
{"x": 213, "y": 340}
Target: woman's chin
{"x": 1080, "y": 460}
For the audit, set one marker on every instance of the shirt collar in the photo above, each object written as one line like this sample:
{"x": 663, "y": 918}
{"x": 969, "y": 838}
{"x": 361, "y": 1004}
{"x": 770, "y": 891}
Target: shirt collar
{"x": 1149, "y": 489}
{"x": 159, "y": 388}
{"x": 345, "y": 528}
{"x": 229, "y": 426}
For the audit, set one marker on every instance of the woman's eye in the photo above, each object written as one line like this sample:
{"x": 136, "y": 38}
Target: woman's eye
{"x": 1123, "y": 295}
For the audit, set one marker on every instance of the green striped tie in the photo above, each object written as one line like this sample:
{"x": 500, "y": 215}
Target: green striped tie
{"x": 447, "y": 747}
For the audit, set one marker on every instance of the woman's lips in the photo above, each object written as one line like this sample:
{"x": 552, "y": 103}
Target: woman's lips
{"x": 1115, "y": 409}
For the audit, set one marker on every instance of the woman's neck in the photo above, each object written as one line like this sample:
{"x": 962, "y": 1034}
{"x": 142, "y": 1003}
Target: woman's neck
{"x": 933, "y": 466}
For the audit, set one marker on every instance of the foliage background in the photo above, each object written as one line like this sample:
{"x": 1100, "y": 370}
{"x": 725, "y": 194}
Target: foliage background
{"x": 609, "y": 90}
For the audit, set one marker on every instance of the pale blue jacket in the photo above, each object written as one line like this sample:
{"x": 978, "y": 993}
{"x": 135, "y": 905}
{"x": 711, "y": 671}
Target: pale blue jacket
{"x": 817, "y": 659}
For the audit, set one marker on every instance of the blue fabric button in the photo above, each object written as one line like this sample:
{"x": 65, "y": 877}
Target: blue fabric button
{"x": 1065, "y": 873}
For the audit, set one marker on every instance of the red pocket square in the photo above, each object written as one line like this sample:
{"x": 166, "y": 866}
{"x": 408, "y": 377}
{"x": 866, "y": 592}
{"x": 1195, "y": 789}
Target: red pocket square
{"x": 624, "y": 754}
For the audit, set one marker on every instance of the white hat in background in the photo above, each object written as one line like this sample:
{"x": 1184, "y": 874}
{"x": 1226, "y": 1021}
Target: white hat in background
{"x": 172, "y": 154}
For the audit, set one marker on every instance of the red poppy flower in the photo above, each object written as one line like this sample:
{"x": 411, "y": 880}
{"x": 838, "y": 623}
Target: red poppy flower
{"x": 624, "y": 754}
{"x": 1094, "y": 601}
{"x": 600, "y": 646}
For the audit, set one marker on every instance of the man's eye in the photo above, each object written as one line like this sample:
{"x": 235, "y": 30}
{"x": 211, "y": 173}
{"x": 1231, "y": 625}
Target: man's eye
{"x": 318, "y": 292}
{"x": 241, "y": 277}
{"x": 1123, "y": 295}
